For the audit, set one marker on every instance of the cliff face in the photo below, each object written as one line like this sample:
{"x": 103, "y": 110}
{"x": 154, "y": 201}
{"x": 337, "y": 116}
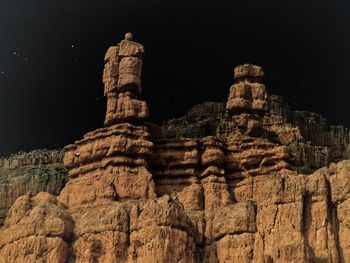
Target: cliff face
{"x": 232, "y": 191}
{"x": 36, "y": 171}
{"x": 308, "y": 136}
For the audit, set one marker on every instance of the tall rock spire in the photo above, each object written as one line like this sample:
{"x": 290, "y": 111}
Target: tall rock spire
{"x": 247, "y": 100}
{"x": 122, "y": 83}
{"x": 114, "y": 157}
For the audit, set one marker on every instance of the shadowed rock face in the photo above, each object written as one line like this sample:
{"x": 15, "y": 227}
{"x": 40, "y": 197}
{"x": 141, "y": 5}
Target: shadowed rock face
{"x": 36, "y": 171}
{"x": 230, "y": 192}
{"x": 312, "y": 142}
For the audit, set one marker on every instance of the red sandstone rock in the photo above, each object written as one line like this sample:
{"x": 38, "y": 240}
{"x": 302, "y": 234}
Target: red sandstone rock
{"x": 134, "y": 196}
{"x": 109, "y": 164}
{"x": 248, "y": 71}
{"x": 108, "y": 246}
{"x": 247, "y": 94}
{"x": 130, "y": 75}
{"x": 247, "y": 100}
{"x": 36, "y": 226}
{"x": 122, "y": 81}
{"x": 111, "y": 70}
{"x": 124, "y": 108}
{"x": 230, "y": 220}
{"x": 129, "y": 48}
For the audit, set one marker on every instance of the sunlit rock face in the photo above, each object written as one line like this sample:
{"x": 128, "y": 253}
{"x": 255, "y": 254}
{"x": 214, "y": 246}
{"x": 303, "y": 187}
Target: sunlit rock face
{"x": 231, "y": 192}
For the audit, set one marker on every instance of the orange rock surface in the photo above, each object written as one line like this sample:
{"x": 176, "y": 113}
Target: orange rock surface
{"x": 136, "y": 196}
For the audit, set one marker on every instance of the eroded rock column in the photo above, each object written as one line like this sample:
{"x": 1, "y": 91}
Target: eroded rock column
{"x": 122, "y": 80}
{"x": 247, "y": 99}
{"x": 110, "y": 163}
{"x": 111, "y": 194}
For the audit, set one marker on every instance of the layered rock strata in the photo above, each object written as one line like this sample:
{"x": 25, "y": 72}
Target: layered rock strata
{"x": 137, "y": 196}
{"x": 312, "y": 142}
{"x": 35, "y": 171}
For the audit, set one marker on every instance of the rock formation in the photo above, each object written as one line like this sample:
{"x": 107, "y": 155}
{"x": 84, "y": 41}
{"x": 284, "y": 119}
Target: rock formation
{"x": 122, "y": 82}
{"x": 36, "y": 171}
{"x": 233, "y": 195}
{"x": 312, "y": 142}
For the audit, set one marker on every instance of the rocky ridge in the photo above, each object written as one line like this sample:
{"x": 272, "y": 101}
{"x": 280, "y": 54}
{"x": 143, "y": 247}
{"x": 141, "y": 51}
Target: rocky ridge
{"x": 135, "y": 195}
{"x": 312, "y": 141}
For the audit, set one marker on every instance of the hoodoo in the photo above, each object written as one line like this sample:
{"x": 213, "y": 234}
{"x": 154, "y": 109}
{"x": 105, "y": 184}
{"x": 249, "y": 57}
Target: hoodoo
{"x": 234, "y": 193}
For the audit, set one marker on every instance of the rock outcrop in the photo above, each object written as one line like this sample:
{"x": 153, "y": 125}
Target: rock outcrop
{"x": 34, "y": 172}
{"x": 36, "y": 229}
{"x": 312, "y": 142}
{"x": 233, "y": 195}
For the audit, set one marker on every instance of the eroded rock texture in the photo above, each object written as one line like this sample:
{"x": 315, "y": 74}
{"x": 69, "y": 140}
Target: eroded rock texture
{"x": 312, "y": 142}
{"x": 36, "y": 171}
{"x": 122, "y": 83}
{"x": 232, "y": 194}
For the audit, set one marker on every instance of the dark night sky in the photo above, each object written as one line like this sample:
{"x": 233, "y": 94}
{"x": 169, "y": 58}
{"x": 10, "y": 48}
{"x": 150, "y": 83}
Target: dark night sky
{"x": 51, "y": 59}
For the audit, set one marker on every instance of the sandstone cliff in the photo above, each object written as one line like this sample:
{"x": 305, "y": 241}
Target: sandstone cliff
{"x": 313, "y": 142}
{"x": 233, "y": 193}
{"x": 36, "y": 171}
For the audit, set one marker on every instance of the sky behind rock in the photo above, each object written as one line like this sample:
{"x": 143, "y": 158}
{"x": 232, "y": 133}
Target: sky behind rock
{"x": 51, "y": 59}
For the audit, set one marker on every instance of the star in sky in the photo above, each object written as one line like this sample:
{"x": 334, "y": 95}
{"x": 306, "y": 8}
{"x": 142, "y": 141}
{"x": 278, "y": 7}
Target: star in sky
{"x": 17, "y": 54}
